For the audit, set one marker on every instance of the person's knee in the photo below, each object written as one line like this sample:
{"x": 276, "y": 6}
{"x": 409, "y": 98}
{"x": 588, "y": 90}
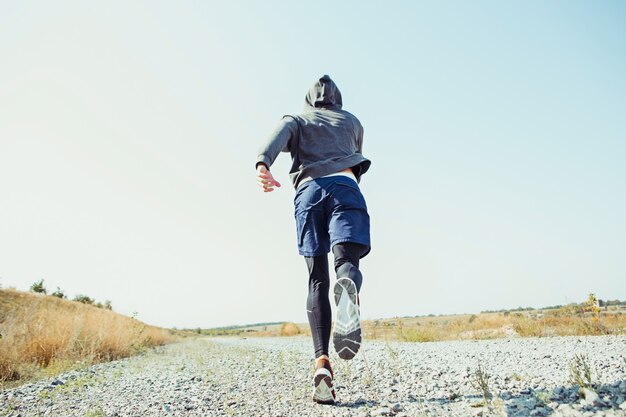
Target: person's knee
{"x": 347, "y": 257}
{"x": 348, "y": 253}
{"x": 318, "y": 271}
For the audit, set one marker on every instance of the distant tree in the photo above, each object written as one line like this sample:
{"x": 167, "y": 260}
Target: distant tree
{"x": 84, "y": 299}
{"x": 107, "y": 305}
{"x": 38, "y": 287}
{"x": 591, "y": 305}
{"x": 59, "y": 293}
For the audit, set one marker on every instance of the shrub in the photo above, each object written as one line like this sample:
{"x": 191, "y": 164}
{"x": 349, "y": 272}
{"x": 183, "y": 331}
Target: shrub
{"x": 38, "y": 287}
{"x": 58, "y": 293}
{"x": 84, "y": 299}
{"x": 481, "y": 383}
{"x": 580, "y": 371}
{"x": 593, "y": 327}
{"x": 289, "y": 329}
{"x": 591, "y": 306}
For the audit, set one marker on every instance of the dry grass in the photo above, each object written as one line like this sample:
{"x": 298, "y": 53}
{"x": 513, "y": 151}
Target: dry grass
{"x": 284, "y": 329}
{"x": 565, "y": 321}
{"x": 41, "y": 335}
{"x": 289, "y": 329}
{"x": 495, "y": 325}
{"x": 584, "y": 319}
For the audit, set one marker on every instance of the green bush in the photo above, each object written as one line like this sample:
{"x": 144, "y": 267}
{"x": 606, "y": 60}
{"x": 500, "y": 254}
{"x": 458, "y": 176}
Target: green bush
{"x": 58, "y": 293}
{"x": 38, "y": 287}
{"x": 106, "y": 305}
{"x": 84, "y": 299}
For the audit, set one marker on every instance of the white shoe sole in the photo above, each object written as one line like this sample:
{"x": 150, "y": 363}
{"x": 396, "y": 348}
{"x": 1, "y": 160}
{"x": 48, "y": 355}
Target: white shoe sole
{"x": 323, "y": 391}
{"x": 347, "y": 329}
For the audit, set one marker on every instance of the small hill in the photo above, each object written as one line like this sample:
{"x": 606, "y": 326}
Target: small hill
{"x": 42, "y": 335}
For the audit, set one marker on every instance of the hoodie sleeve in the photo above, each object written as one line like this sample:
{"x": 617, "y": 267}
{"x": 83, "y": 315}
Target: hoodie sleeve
{"x": 279, "y": 140}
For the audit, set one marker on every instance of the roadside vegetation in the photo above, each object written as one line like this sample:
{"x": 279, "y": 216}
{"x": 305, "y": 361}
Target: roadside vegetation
{"x": 591, "y": 317}
{"x": 584, "y": 319}
{"x": 256, "y": 330}
{"x": 588, "y": 318}
{"x": 43, "y": 335}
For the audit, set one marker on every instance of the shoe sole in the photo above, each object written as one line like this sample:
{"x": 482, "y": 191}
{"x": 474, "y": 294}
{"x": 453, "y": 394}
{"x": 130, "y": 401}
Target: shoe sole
{"x": 347, "y": 329}
{"x": 323, "y": 391}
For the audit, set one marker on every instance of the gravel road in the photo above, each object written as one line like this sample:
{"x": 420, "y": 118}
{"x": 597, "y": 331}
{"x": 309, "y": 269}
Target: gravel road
{"x": 272, "y": 377}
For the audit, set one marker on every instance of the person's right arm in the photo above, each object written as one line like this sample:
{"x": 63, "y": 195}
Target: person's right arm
{"x": 279, "y": 140}
{"x": 265, "y": 179}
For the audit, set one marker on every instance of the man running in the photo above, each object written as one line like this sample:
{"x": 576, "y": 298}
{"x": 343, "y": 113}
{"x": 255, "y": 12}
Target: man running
{"x": 325, "y": 143}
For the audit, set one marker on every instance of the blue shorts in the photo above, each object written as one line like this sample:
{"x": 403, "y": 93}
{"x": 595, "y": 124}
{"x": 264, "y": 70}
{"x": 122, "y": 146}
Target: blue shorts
{"x": 328, "y": 211}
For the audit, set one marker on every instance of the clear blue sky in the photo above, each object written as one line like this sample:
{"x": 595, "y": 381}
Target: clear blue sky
{"x": 129, "y": 131}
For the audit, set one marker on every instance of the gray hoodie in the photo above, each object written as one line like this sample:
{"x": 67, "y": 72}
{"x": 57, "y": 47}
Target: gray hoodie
{"x": 322, "y": 140}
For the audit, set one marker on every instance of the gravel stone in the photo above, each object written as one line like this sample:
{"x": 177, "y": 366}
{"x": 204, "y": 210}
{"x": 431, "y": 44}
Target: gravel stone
{"x": 273, "y": 377}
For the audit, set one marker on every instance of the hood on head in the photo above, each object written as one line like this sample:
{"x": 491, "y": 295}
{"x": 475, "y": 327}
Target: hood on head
{"x": 323, "y": 94}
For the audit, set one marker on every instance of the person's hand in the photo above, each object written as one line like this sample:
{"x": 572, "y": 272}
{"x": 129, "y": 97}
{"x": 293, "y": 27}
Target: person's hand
{"x": 265, "y": 179}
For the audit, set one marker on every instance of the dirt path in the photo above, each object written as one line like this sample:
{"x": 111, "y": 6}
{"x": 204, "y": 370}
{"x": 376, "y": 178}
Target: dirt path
{"x": 271, "y": 377}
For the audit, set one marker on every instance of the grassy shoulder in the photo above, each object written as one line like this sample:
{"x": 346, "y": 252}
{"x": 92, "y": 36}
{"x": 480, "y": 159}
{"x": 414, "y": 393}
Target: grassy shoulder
{"x": 537, "y": 323}
{"x": 42, "y": 335}
{"x": 584, "y": 319}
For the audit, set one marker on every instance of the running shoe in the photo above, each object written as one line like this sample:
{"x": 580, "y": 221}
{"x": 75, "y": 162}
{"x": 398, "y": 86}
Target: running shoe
{"x": 347, "y": 329}
{"x": 323, "y": 389}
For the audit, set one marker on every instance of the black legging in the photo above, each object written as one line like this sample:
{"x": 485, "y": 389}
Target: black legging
{"x": 347, "y": 256}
